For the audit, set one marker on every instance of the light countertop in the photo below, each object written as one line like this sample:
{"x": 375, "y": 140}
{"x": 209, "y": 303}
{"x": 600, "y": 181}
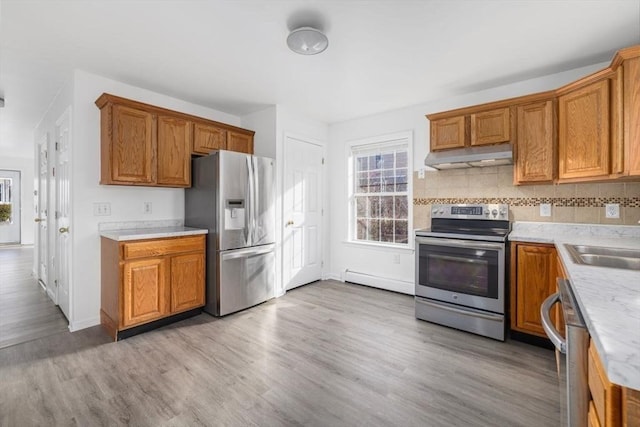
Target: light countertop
{"x": 609, "y": 298}
{"x": 151, "y": 233}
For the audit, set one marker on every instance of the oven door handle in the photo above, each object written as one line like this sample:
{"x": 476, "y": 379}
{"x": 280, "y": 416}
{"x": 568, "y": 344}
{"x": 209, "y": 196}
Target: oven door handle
{"x": 553, "y": 334}
{"x": 471, "y": 244}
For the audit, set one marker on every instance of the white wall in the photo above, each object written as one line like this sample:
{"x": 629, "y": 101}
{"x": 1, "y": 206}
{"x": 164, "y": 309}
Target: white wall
{"x": 25, "y": 166}
{"x": 126, "y": 202}
{"x": 379, "y": 262}
{"x": 263, "y": 122}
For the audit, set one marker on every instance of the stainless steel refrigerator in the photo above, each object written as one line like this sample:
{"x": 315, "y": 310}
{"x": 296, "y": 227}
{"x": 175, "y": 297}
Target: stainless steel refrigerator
{"x": 232, "y": 195}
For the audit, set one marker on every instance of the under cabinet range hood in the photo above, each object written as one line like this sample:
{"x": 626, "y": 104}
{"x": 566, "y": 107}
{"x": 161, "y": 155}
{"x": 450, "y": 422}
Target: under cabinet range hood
{"x": 482, "y": 156}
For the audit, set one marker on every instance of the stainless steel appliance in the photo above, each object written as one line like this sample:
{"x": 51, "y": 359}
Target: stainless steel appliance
{"x": 232, "y": 195}
{"x": 460, "y": 268}
{"x": 571, "y": 350}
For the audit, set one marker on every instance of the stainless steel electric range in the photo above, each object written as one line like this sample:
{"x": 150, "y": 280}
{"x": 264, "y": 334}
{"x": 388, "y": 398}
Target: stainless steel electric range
{"x": 460, "y": 268}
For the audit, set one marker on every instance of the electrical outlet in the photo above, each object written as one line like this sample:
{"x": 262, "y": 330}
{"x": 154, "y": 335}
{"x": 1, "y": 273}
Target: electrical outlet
{"x": 421, "y": 173}
{"x": 102, "y": 209}
{"x": 545, "y": 209}
{"x": 612, "y": 210}
{"x": 147, "y": 208}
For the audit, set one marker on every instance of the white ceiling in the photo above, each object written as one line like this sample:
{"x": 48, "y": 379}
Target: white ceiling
{"x": 232, "y": 55}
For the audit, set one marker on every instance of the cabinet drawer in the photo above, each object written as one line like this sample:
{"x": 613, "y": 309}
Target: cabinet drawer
{"x": 605, "y": 395}
{"x": 159, "y": 247}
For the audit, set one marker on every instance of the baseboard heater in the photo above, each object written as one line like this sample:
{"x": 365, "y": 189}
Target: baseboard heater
{"x": 379, "y": 282}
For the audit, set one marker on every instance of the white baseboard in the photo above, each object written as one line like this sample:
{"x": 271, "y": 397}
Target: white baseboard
{"x": 83, "y": 324}
{"x": 332, "y": 277}
{"x": 380, "y": 282}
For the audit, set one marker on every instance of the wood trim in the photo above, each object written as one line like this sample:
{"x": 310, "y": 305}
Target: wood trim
{"x": 109, "y": 277}
{"x": 625, "y": 54}
{"x": 631, "y": 121}
{"x": 504, "y": 103}
{"x": 106, "y": 98}
{"x": 606, "y": 395}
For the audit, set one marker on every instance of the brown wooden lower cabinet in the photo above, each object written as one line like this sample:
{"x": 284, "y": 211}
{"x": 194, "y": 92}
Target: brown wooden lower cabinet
{"x": 630, "y": 407}
{"x": 533, "y": 279}
{"x": 148, "y": 280}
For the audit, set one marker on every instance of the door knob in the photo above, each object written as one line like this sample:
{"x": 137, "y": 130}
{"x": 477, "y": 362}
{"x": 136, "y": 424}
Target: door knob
{"x": 290, "y": 222}
{"x": 38, "y": 219}
{"x": 63, "y": 229}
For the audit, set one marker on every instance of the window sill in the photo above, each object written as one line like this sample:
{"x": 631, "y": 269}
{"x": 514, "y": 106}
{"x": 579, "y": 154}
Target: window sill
{"x": 378, "y": 246}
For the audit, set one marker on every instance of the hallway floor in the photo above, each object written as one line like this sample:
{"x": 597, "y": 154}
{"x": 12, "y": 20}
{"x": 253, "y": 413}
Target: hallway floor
{"x": 26, "y": 312}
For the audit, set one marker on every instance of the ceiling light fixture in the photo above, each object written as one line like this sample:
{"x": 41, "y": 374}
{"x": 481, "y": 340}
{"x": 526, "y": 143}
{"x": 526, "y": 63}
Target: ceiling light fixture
{"x": 307, "y": 41}
{"x": 1, "y": 102}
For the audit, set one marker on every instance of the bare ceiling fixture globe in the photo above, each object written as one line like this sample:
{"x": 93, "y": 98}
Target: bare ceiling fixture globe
{"x": 307, "y": 41}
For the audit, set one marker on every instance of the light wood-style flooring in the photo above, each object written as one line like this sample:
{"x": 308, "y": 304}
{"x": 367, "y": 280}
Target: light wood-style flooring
{"x": 26, "y": 312}
{"x": 325, "y": 354}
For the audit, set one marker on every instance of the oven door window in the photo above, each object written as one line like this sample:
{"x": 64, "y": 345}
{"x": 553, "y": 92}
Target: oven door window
{"x": 462, "y": 270}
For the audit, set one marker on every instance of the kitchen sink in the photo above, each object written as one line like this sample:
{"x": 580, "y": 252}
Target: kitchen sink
{"x": 628, "y": 259}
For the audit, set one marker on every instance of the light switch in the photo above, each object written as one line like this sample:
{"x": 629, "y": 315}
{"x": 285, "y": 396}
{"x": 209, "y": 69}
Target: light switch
{"x": 147, "y": 208}
{"x": 102, "y": 209}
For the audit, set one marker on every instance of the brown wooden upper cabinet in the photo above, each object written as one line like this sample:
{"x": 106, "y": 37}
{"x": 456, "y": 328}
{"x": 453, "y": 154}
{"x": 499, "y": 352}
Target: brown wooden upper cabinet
{"x": 470, "y": 128}
{"x": 146, "y": 145}
{"x": 583, "y": 138}
{"x": 449, "y": 133}
{"x": 208, "y": 138}
{"x": 535, "y": 146}
{"x": 588, "y": 130}
{"x": 491, "y": 127}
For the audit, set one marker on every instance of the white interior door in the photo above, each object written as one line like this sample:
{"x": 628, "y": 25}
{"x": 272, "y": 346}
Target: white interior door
{"x": 63, "y": 211}
{"x": 41, "y": 219}
{"x": 302, "y": 214}
{"x": 9, "y": 207}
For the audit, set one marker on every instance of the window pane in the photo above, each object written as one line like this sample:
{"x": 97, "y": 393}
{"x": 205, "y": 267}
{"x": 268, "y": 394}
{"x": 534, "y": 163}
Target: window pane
{"x": 374, "y": 207}
{"x": 374, "y": 162}
{"x": 361, "y": 206}
{"x": 401, "y": 180}
{"x": 387, "y": 161}
{"x": 401, "y": 159}
{"x": 362, "y": 229}
{"x": 387, "y": 231}
{"x": 401, "y": 231}
{"x": 373, "y": 231}
{"x": 402, "y": 208}
{"x": 388, "y": 184}
{"x": 362, "y": 164}
{"x": 386, "y": 203}
{"x": 362, "y": 183}
{"x": 375, "y": 179}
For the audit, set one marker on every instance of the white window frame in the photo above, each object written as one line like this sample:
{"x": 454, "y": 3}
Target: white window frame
{"x": 370, "y": 143}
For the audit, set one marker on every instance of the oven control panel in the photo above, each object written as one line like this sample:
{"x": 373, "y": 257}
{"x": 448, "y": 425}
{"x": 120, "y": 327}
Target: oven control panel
{"x": 468, "y": 211}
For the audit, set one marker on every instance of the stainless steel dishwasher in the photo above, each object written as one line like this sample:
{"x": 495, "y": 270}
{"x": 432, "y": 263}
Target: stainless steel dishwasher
{"x": 572, "y": 350}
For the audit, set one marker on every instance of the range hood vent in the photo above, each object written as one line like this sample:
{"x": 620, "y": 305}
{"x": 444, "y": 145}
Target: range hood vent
{"x": 483, "y": 156}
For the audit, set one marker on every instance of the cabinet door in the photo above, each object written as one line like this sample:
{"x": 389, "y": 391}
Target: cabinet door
{"x": 207, "y": 138}
{"x": 240, "y": 142}
{"x": 174, "y": 156}
{"x": 491, "y": 127}
{"x": 583, "y": 123}
{"x": 145, "y": 291}
{"x": 132, "y": 148}
{"x": 606, "y": 396}
{"x": 535, "y": 281}
{"x": 448, "y": 133}
{"x": 535, "y": 148}
{"x": 187, "y": 281}
{"x": 631, "y": 114}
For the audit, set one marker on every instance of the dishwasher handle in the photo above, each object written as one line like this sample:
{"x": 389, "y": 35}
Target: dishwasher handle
{"x": 553, "y": 334}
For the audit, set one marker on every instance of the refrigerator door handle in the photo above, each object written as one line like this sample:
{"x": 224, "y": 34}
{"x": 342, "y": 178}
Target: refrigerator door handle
{"x": 247, "y": 217}
{"x": 254, "y": 202}
{"x": 247, "y": 253}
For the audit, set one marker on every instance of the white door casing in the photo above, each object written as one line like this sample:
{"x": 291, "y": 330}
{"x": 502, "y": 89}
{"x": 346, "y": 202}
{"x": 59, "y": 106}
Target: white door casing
{"x": 42, "y": 205}
{"x": 63, "y": 211}
{"x": 302, "y": 213}
{"x": 10, "y": 195}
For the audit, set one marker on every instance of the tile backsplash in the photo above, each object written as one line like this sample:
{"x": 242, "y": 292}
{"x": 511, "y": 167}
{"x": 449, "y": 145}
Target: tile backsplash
{"x": 575, "y": 203}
